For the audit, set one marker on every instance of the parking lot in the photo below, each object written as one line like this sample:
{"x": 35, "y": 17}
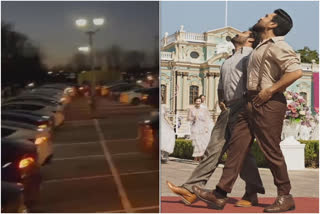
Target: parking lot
{"x": 97, "y": 165}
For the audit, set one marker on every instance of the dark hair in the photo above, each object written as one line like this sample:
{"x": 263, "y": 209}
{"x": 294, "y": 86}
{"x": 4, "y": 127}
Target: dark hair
{"x": 284, "y": 22}
{"x": 195, "y": 99}
{"x": 256, "y": 36}
{"x": 202, "y": 95}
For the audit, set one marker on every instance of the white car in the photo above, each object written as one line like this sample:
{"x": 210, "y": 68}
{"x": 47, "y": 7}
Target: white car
{"x": 42, "y": 139}
{"x": 133, "y": 97}
{"x": 36, "y": 108}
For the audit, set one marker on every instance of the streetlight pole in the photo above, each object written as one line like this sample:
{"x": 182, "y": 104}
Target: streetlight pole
{"x": 83, "y": 23}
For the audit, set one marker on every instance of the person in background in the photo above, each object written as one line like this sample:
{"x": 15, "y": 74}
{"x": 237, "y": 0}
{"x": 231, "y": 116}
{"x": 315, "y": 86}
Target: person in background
{"x": 167, "y": 134}
{"x": 199, "y": 118}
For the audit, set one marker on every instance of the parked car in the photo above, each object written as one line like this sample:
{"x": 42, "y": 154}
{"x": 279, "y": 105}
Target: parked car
{"x": 114, "y": 92}
{"x": 12, "y": 200}
{"x": 43, "y": 122}
{"x": 148, "y": 135}
{"x": 19, "y": 165}
{"x": 64, "y": 99}
{"x": 42, "y": 139}
{"x": 36, "y": 108}
{"x": 43, "y": 99}
{"x": 133, "y": 96}
{"x": 105, "y": 89}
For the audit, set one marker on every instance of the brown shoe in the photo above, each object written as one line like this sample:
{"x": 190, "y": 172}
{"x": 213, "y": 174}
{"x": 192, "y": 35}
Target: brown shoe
{"x": 213, "y": 199}
{"x": 186, "y": 196}
{"x": 283, "y": 203}
{"x": 248, "y": 200}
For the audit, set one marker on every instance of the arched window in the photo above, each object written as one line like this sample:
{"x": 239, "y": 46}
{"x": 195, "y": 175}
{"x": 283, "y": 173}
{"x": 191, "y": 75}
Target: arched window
{"x": 164, "y": 93}
{"x": 194, "y": 92}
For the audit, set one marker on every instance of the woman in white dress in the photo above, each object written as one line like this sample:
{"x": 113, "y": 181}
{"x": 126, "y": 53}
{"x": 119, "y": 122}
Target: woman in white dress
{"x": 200, "y": 133}
{"x": 167, "y": 136}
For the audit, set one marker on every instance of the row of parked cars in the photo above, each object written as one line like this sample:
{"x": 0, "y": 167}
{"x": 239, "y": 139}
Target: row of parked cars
{"x": 27, "y": 125}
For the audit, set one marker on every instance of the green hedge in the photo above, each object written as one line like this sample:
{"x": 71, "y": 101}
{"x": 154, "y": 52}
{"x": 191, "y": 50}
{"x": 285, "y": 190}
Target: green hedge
{"x": 183, "y": 149}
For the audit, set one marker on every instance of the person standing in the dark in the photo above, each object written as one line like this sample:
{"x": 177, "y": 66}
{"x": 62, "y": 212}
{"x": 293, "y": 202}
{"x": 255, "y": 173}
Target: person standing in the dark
{"x": 273, "y": 66}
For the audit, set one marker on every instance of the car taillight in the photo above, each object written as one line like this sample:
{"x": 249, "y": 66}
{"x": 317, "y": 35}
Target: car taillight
{"x": 147, "y": 138}
{"x": 25, "y": 162}
{"x": 40, "y": 140}
{"x": 144, "y": 97}
{"x": 42, "y": 126}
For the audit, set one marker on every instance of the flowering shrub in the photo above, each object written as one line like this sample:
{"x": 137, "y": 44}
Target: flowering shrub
{"x": 297, "y": 109}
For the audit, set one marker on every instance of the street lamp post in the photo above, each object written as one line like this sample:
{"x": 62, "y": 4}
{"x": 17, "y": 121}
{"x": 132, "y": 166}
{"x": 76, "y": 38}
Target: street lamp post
{"x": 82, "y": 23}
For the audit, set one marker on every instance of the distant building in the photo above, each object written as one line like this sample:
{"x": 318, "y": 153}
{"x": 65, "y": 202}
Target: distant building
{"x": 190, "y": 66}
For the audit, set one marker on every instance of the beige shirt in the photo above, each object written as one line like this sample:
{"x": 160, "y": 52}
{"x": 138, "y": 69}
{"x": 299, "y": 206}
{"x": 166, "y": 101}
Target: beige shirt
{"x": 280, "y": 58}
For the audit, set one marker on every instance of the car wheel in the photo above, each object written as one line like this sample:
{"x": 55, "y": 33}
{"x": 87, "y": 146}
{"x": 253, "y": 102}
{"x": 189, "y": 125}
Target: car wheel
{"x": 135, "y": 101}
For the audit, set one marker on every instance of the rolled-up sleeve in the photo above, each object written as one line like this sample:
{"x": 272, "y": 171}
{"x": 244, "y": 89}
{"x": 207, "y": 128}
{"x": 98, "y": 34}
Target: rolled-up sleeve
{"x": 285, "y": 57}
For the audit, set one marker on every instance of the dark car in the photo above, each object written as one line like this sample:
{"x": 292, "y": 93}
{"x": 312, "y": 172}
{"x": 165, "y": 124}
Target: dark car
{"x": 12, "y": 200}
{"x": 26, "y": 117}
{"x": 19, "y": 165}
{"x": 148, "y": 135}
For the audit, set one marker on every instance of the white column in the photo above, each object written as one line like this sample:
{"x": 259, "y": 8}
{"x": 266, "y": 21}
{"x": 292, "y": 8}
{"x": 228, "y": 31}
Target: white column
{"x": 185, "y": 90}
{"x": 211, "y": 92}
{"x": 180, "y": 91}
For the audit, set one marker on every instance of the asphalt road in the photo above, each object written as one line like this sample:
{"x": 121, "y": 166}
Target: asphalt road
{"x": 97, "y": 165}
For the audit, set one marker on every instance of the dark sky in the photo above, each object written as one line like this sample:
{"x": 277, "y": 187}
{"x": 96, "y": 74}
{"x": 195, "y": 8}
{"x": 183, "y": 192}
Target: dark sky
{"x": 51, "y": 25}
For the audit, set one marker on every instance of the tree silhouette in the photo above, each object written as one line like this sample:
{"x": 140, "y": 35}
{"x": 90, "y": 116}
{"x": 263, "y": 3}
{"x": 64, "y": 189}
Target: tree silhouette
{"x": 21, "y": 61}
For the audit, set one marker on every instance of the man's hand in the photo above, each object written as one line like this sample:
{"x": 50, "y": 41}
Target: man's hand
{"x": 262, "y": 97}
{"x": 222, "y": 106}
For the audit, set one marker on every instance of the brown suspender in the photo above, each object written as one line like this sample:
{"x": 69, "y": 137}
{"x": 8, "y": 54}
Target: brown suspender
{"x": 261, "y": 66}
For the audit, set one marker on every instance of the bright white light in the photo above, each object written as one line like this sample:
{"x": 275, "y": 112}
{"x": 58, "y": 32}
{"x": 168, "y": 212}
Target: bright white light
{"x": 149, "y": 77}
{"x": 50, "y": 72}
{"x": 98, "y": 21}
{"x": 84, "y": 49}
{"x": 81, "y": 22}
{"x": 139, "y": 81}
{"x": 31, "y": 84}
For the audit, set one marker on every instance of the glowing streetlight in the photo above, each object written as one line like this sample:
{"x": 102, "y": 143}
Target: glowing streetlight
{"x": 81, "y": 22}
{"x": 98, "y": 21}
{"x": 84, "y": 49}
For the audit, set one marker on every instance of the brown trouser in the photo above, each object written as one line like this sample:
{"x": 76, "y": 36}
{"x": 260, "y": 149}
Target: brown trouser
{"x": 265, "y": 124}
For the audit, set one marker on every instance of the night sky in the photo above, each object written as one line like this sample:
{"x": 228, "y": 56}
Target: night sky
{"x": 51, "y": 25}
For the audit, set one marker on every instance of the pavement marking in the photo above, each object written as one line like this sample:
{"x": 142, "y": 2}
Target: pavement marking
{"x": 75, "y": 179}
{"x": 119, "y": 140}
{"x": 135, "y": 209}
{"x": 73, "y": 144}
{"x": 94, "y": 156}
{"x": 139, "y": 173}
{"x": 77, "y": 157}
{"x": 123, "y": 195}
{"x": 126, "y": 153}
{"x": 97, "y": 176}
{"x": 72, "y": 122}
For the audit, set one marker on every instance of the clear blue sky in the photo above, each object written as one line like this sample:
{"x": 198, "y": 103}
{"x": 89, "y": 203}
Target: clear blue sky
{"x": 200, "y": 17}
{"x": 50, "y": 25}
